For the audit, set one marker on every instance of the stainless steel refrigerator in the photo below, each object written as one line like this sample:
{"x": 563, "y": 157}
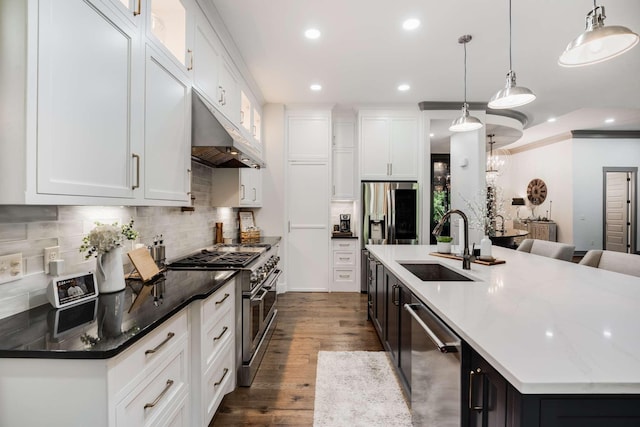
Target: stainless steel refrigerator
{"x": 389, "y": 215}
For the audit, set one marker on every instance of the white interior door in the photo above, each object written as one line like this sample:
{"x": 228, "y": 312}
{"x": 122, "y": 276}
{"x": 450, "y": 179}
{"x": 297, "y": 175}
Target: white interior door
{"x": 617, "y": 205}
{"x": 308, "y": 237}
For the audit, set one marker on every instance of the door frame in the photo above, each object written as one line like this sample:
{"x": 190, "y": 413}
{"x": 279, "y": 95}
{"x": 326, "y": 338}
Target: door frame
{"x": 633, "y": 205}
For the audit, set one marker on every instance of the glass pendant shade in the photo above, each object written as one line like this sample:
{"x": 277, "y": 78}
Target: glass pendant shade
{"x": 511, "y": 95}
{"x": 598, "y": 43}
{"x": 465, "y": 122}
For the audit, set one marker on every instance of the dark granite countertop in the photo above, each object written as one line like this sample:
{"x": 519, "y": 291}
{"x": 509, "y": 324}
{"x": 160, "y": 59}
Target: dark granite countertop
{"x": 102, "y": 328}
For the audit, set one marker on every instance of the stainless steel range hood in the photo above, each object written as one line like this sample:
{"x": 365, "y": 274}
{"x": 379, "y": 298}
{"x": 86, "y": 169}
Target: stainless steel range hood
{"x": 215, "y": 141}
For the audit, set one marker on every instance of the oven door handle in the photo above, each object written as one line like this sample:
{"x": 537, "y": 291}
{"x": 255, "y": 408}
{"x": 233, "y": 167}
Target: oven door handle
{"x": 264, "y": 294}
{"x": 272, "y": 279}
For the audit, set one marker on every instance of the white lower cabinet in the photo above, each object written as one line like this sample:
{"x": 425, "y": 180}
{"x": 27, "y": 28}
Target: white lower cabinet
{"x": 213, "y": 352}
{"x": 176, "y": 376}
{"x": 151, "y": 378}
{"x": 344, "y": 265}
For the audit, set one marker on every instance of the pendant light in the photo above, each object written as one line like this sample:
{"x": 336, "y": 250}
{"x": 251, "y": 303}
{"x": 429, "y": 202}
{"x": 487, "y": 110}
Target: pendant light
{"x": 465, "y": 122}
{"x": 511, "y": 95}
{"x": 597, "y": 43}
{"x": 492, "y": 169}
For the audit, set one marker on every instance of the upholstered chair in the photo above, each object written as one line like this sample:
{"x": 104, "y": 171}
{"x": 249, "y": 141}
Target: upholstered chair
{"x": 619, "y": 262}
{"x": 548, "y": 249}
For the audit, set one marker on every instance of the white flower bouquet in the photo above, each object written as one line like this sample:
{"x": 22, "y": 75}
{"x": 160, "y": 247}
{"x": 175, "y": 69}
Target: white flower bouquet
{"x": 106, "y": 237}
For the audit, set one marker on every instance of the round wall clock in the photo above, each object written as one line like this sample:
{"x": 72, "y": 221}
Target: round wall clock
{"x": 536, "y": 191}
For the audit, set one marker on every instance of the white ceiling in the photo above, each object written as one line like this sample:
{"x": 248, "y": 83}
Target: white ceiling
{"x": 364, "y": 54}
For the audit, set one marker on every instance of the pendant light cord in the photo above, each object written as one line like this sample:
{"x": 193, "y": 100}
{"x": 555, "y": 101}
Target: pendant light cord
{"x": 510, "y": 37}
{"x": 465, "y": 72}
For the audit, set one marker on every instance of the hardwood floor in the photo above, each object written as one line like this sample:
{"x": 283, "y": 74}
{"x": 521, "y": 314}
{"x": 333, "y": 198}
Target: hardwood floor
{"x": 283, "y": 390}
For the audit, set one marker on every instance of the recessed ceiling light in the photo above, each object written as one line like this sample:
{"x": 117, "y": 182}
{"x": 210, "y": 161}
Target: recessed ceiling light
{"x": 551, "y": 119}
{"x": 315, "y": 87}
{"x": 404, "y": 87}
{"x": 610, "y": 120}
{"x": 312, "y": 33}
{"x": 411, "y": 24}
{"x": 432, "y": 135}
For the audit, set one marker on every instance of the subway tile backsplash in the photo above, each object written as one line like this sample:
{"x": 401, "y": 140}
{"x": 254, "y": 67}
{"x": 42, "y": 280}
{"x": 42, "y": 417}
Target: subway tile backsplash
{"x": 30, "y": 229}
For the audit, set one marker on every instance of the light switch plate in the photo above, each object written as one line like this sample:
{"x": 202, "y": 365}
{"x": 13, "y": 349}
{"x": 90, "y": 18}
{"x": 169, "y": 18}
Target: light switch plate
{"x": 10, "y": 267}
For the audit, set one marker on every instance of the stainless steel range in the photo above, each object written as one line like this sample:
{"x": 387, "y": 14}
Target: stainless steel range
{"x": 258, "y": 265}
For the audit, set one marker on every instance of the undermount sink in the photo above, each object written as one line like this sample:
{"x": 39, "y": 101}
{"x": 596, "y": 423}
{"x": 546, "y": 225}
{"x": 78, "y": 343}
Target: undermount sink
{"x": 435, "y": 273}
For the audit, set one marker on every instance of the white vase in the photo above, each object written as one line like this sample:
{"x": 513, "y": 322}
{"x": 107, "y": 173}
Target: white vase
{"x": 443, "y": 247}
{"x": 485, "y": 247}
{"x": 110, "y": 272}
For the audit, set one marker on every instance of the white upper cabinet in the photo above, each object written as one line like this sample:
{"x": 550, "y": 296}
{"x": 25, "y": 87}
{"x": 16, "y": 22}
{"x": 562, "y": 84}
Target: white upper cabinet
{"x": 170, "y": 25}
{"x": 96, "y": 101}
{"x": 389, "y": 145}
{"x": 250, "y": 120}
{"x": 167, "y": 137}
{"x": 87, "y": 72}
{"x": 237, "y": 188}
{"x": 308, "y": 135}
{"x": 214, "y": 76}
{"x": 343, "y": 164}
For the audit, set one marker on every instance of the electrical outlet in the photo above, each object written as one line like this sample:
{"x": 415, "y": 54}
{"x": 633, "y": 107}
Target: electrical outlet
{"x": 10, "y": 267}
{"x": 50, "y": 254}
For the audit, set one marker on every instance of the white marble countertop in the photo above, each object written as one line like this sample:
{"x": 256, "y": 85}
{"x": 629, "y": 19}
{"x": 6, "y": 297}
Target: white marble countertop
{"x": 547, "y": 326}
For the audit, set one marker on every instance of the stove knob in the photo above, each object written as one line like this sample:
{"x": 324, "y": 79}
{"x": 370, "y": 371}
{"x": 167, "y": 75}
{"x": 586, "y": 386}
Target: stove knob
{"x": 253, "y": 278}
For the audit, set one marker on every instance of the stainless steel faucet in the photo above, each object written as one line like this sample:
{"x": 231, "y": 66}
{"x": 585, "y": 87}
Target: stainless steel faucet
{"x": 501, "y": 223}
{"x": 466, "y": 257}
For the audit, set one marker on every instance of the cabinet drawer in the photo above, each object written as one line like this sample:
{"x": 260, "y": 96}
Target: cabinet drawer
{"x": 178, "y": 416}
{"x": 222, "y": 300}
{"x": 344, "y": 275}
{"x": 219, "y": 380}
{"x": 134, "y": 364}
{"x": 218, "y": 336}
{"x": 163, "y": 387}
{"x": 344, "y": 244}
{"x": 344, "y": 258}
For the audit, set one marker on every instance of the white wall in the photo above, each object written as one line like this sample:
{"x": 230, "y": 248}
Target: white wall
{"x": 271, "y": 217}
{"x": 589, "y": 157}
{"x": 553, "y": 164}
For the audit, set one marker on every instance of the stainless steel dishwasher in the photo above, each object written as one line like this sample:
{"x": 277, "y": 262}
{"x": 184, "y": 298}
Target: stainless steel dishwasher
{"x": 435, "y": 369}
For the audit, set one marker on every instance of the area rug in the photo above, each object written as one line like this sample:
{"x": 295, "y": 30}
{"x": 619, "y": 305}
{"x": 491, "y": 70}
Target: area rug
{"x": 358, "y": 388}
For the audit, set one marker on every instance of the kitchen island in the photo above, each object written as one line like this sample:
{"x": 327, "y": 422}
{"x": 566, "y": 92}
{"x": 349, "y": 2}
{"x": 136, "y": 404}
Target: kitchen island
{"x": 550, "y": 328}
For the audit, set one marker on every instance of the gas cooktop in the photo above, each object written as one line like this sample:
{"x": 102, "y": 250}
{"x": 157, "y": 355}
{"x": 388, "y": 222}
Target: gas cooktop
{"x": 217, "y": 258}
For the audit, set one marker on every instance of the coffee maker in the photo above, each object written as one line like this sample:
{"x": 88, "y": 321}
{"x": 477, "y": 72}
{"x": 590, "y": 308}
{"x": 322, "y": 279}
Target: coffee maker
{"x": 345, "y": 223}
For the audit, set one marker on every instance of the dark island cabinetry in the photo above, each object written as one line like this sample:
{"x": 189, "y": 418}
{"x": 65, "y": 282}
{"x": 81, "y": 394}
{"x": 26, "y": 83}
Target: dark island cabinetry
{"x": 489, "y": 400}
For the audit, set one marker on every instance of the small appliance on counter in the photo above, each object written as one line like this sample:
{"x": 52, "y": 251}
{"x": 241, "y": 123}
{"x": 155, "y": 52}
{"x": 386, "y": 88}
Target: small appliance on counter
{"x": 344, "y": 229}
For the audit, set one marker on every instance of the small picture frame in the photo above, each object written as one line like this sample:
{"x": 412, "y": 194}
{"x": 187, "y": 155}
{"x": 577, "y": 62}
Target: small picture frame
{"x": 72, "y": 289}
{"x": 246, "y": 220}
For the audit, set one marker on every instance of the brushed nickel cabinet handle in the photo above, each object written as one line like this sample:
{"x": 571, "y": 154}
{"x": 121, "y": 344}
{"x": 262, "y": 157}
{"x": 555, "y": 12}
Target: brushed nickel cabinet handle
{"x": 241, "y": 117}
{"x": 157, "y": 399}
{"x": 166, "y": 340}
{"x": 224, "y": 330}
{"x": 344, "y": 276}
{"x": 390, "y": 168}
{"x": 138, "y": 9}
{"x": 255, "y": 194}
{"x": 137, "y": 184}
{"x": 216, "y": 384}
{"x": 344, "y": 258}
{"x": 222, "y": 300}
{"x": 189, "y": 174}
{"x": 190, "y": 66}
{"x": 221, "y": 95}
{"x": 243, "y": 192}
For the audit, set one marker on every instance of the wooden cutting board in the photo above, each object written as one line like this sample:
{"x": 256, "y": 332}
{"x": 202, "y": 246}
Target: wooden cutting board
{"x": 142, "y": 261}
{"x": 475, "y": 261}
